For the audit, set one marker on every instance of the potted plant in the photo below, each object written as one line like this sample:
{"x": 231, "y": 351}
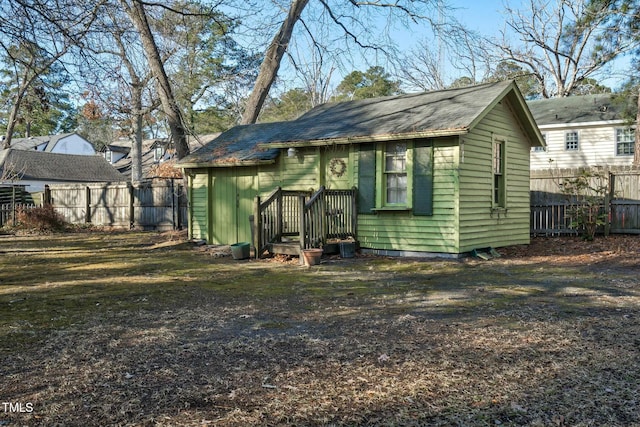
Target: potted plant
{"x": 312, "y": 255}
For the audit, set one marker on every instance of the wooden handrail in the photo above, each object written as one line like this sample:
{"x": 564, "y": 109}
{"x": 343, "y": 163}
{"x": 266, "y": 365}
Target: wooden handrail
{"x": 314, "y": 217}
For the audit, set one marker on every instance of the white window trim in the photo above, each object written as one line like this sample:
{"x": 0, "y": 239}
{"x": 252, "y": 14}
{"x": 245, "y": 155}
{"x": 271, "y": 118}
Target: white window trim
{"x": 566, "y": 134}
{"x": 615, "y": 141}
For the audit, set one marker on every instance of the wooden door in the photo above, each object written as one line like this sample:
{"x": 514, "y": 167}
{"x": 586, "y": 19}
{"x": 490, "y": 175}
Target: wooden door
{"x": 233, "y": 192}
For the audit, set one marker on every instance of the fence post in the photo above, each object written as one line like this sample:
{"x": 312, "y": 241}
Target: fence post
{"x": 179, "y": 198}
{"x": 608, "y": 197}
{"x": 87, "y": 204}
{"x": 132, "y": 214}
{"x": 46, "y": 199}
{"x": 13, "y": 204}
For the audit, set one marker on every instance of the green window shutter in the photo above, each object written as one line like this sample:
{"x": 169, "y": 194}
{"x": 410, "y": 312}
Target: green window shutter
{"x": 423, "y": 178}
{"x": 367, "y": 178}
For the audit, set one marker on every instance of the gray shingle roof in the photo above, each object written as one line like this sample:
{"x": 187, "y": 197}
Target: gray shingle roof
{"x": 576, "y": 109}
{"x": 452, "y": 110}
{"x": 34, "y": 141}
{"x": 43, "y": 166}
{"x": 437, "y": 113}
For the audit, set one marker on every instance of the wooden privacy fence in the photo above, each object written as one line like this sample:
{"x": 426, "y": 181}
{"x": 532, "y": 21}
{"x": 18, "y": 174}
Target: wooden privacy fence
{"x": 159, "y": 204}
{"x": 13, "y": 198}
{"x": 9, "y": 212}
{"x": 621, "y": 207}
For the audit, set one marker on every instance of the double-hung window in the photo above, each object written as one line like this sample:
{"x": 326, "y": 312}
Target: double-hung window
{"x": 571, "y": 141}
{"x": 395, "y": 173}
{"x": 396, "y": 176}
{"x": 625, "y": 141}
{"x": 499, "y": 178}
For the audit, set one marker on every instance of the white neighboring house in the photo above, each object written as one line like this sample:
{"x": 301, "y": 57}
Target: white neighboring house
{"x": 67, "y": 143}
{"x": 582, "y": 131}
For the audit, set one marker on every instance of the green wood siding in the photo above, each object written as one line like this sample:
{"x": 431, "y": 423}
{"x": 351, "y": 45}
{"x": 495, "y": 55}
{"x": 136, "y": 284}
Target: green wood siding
{"x": 301, "y": 172}
{"x": 459, "y": 216}
{"x": 337, "y": 168}
{"x": 405, "y": 231}
{"x": 199, "y": 213}
{"x": 232, "y": 190}
{"x": 481, "y": 225}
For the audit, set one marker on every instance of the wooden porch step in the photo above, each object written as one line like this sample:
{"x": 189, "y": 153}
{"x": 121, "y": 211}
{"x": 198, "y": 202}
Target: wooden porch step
{"x": 287, "y": 248}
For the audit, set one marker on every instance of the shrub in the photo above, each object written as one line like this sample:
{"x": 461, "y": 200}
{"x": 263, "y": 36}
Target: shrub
{"x": 587, "y": 197}
{"x": 41, "y": 218}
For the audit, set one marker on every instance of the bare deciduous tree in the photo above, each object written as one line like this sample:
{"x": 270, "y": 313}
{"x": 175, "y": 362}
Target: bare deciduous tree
{"x": 271, "y": 62}
{"x": 355, "y": 24}
{"x": 37, "y": 35}
{"x": 561, "y": 42}
{"x": 135, "y": 9}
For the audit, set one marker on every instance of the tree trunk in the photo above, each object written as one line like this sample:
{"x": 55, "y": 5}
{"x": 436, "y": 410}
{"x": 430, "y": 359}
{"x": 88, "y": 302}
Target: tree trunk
{"x": 271, "y": 63}
{"x": 170, "y": 107}
{"x": 136, "y": 147}
{"x": 636, "y": 148}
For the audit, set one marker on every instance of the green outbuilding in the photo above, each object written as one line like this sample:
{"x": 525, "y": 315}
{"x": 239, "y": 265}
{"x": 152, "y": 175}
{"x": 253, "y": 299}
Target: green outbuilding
{"x": 442, "y": 172}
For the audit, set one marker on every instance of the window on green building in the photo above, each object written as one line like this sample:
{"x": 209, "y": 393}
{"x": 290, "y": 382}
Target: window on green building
{"x": 395, "y": 172}
{"x": 499, "y": 178}
{"x": 403, "y": 180}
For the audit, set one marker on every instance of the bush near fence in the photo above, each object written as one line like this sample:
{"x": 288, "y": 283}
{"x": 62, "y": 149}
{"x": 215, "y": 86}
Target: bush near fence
{"x": 549, "y": 204}
{"x": 9, "y": 212}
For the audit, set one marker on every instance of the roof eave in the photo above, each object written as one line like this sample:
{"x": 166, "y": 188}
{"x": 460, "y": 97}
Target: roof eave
{"x": 362, "y": 139}
{"x": 528, "y": 121}
{"x": 605, "y": 123}
{"x": 215, "y": 164}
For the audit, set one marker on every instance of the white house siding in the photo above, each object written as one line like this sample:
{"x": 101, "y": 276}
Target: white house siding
{"x": 597, "y": 147}
{"x": 74, "y": 144}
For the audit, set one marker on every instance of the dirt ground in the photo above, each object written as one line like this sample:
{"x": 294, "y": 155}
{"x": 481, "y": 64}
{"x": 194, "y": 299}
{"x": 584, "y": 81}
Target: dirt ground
{"x": 148, "y": 329}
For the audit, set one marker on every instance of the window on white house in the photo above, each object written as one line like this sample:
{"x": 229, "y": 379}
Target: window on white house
{"x": 625, "y": 141}
{"x": 158, "y": 154}
{"x": 541, "y": 149}
{"x": 571, "y": 142}
{"x": 395, "y": 170}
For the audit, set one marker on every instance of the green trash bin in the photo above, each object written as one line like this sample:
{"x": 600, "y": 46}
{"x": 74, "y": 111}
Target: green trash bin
{"x": 241, "y": 250}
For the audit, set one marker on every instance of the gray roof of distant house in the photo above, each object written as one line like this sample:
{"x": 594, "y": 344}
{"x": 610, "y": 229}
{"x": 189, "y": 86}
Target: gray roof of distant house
{"x": 430, "y": 114}
{"x": 43, "y": 166}
{"x": 32, "y": 142}
{"x": 123, "y": 165}
{"x": 577, "y": 109}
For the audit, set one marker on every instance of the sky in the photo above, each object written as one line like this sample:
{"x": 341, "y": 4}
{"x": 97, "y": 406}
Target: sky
{"x": 487, "y": 17}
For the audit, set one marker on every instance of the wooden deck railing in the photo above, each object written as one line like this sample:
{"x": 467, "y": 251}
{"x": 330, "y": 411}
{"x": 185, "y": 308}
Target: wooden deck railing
{"x": 314, "y": 217}
{"x": 277, "y": 216}
{"x": 328, "y": 214}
